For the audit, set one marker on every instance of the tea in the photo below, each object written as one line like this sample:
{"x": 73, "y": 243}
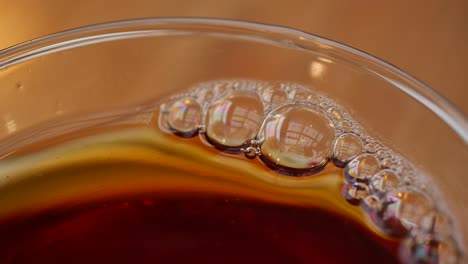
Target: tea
{"x": 321, "y": 189}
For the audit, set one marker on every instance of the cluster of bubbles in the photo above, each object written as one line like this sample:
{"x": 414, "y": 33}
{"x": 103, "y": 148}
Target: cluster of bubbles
{"x": 296, "y": 131}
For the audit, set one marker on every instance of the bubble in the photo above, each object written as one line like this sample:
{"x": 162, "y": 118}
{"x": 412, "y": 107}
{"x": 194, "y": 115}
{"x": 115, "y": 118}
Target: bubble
{"x": 372, "y": 147}
{"x": 361, "y": 168}
{"x": 346, "y": 147}
{"x": 296, "y": 139}
{"x": 358, "y": 131}
{"x": 324, "y": 105}
{"x": 344, "y": 126}
{"x": 384, "y": 181}
{"x": 381, "y": 154}
{"x": 404, "y": 210}
{"x": 437, "y": 223}
{"x": 222, "y": 87}
{"x": 404, "y": 170}
{"x": 205, "y": 95}
{"x": 233, "y": 120}
{"x": 274, "y": 95}
{"x": 409, "y": 180}
{"x": 426, "y": 248}
{"x": 389, "y": 162}
{"x": 183, "y": 117}
{"x": 300, "y": 95}
{"x": 250, "y": 152}
{"x": 313, "y": 99}
{"x": 355, "y": 192}
{"x": 371, "y": 204}
{"x": 335, "y": 113}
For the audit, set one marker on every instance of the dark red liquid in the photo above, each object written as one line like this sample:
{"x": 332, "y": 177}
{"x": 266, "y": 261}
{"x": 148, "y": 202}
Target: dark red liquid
{"x": 189, "y": 229}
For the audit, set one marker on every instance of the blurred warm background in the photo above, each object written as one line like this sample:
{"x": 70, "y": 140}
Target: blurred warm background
{"x": 427, "y": 38}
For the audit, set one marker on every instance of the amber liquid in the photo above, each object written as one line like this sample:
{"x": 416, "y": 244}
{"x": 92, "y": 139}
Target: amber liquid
{"x": 138, "y": 196}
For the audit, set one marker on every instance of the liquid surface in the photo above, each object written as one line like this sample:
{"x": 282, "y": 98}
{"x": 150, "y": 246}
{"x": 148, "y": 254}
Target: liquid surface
{"x": 193, "y": 228}
{"x": 132, "y": 197}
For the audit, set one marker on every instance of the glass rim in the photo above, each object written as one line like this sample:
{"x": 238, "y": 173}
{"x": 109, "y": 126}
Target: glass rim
{"x": 277, "y": 35}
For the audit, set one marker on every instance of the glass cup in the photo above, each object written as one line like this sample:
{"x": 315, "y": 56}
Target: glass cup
{"x": 48, "y": 82}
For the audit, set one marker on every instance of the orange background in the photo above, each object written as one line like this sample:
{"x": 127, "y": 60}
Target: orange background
{"x": 427, "y": 38}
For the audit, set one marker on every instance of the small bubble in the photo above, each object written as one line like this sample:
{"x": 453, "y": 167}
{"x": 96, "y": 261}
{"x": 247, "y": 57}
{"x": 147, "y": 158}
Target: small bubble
{"x": 233, "y": 120}
{"x": 163, "y": 108}
{"x": 222, "y": 87}
{"x": 184, "y": 116}
{"x": 205, "y": 95}
{"x": 388, "y": 162}
{"x": 346, "y": 147}
{"x": 437, "y": 223}
{"x": 313, "y": 99}
{"x": 404, "y": 170}
{"x": 324, "y": 105}
{"x": 384, "y": 181}
{"x": 371, "y": 204}
{"x": 335, "y": 113}
{"x": 300, "y": 95}
{"x": 274, "y": 95}
{"x": 361, "y": 168}
{"x": 250, "y": 152}
{"x": 355, "y": 192}
{"x": 326, "y": 101}
{"x": 372, "y": 147}
{"x": 427, "y": 249}
{"x": 296, "y": 137}
{"x": 404, "y": 210}
{"x": 381, "y": 154}
{"x": 359, "y": 132}
{"x": 409, "y": 180}
{"x": 344, "y": 126}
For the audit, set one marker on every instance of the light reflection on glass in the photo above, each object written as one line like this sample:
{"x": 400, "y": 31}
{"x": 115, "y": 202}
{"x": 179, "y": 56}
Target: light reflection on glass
{"x": 10, "y": 126}
{"x": 317, "y": 69}
{"x": 322, "y": 59}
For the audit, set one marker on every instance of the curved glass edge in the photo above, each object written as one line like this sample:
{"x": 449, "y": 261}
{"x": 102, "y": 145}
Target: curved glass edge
{"x": 282, "y": 36}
